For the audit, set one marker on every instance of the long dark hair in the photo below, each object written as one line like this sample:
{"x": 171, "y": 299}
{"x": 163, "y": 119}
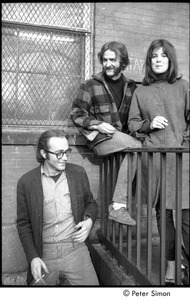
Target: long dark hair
{"x": 169, "y": 50}
{"x": 120, "y": 51}
{"x": 43, "y": 140}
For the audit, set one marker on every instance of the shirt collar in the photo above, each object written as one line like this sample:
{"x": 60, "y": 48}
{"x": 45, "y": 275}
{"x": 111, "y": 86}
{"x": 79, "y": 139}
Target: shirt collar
{"x": 43, "y": 172}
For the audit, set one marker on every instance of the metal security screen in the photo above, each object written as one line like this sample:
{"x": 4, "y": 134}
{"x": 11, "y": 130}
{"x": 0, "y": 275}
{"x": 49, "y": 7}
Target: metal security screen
{"x": 43, "y": 66}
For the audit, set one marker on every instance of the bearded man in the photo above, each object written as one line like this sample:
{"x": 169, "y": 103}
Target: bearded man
{"x": 100, "y": 112}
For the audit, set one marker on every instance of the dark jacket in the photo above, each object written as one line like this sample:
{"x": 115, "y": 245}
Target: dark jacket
{"x": 30, "y": 207}
{"x": 95, "y": 104}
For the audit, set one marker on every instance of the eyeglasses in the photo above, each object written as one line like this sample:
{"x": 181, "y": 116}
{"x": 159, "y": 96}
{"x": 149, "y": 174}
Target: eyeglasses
{"x": 60, "y": 154}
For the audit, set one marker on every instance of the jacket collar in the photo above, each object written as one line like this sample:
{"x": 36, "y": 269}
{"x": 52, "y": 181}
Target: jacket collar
{"x": 71, "y": 184}
{"x": 100, "y": 77}
{"x": 37, "y": 184}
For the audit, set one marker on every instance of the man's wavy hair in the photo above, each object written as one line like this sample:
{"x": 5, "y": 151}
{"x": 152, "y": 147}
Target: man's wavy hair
{"x": 43, "y": 140}
{"x": 120, "y": 51}
{"x": 169, "y": 50}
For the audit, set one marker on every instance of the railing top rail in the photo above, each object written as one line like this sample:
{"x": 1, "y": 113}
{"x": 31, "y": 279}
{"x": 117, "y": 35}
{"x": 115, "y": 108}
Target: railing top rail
{"x": 157, "y": 149}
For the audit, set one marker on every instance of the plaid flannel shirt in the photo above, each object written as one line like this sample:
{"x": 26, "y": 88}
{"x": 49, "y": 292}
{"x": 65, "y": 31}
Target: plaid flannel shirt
{"x": 95, "y": 104}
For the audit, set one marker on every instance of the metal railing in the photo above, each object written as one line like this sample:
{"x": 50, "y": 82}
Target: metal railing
{"x": 125, "y": 243}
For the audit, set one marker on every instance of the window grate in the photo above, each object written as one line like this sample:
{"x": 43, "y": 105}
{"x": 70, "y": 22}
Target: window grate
{"x": 66, "y": 15}
{"x": 42, "y": 67}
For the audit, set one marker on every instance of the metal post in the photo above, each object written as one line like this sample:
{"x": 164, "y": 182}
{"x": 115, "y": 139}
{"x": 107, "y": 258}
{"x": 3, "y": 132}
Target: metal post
{"x": 149, "y": 215}
{"x": 178, "y": 218}
{"x": 138, "y": 196}
{"x": 129, "y": 197}
{"x": 162, "y": 217}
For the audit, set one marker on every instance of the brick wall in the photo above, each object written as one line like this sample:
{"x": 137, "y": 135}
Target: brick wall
{"x": 137, "y": 25}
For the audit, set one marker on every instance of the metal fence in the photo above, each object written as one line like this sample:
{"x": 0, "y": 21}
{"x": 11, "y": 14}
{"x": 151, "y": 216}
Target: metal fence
{"x": 46, "y": 54}
{"x": 125, "y": 243}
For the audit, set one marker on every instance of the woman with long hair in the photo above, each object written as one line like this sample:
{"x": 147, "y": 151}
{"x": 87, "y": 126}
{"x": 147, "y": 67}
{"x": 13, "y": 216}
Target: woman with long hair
{"x": 159, "y": 115}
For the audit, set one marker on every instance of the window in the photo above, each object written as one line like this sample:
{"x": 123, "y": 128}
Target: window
{"x": 46, "y": 54}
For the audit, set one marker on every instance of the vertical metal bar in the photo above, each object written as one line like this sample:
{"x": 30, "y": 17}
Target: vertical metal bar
{"x": 138, "y": 195}
{"x": 111, "y": 187}
{"x": 101, "y": 192}
{"x": 149, "y": 215}
{"x": 129, "y": 197}
{"x": 109, "y": 195}
{"x": 120, "y": 238}
{"x": 162, "y": 216}
{"x": 105, "y": 195}
{"x": 114, "y": 173}
{"x": 119, "y": 159}
{"x": 109, "y": 229}
{"x": 113, "y": 232}
{"x": 178, "y": 218}
{"x": 109, "y": 184}
{"x": 103, "y": 175}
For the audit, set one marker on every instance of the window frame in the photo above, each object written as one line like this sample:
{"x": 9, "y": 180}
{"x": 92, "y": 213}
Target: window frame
{"x": 28, "y": 134}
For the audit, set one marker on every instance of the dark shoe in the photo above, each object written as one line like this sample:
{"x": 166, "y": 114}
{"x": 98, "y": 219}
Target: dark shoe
{"x": 121, "y": 216}
{"x": 184, "y": 276}
{"x": 169, "y": 282}
{"x": 185, "y": 267}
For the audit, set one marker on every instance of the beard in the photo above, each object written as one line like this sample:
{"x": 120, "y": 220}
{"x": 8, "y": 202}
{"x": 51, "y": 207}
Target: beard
{"x": 115, "y": 72}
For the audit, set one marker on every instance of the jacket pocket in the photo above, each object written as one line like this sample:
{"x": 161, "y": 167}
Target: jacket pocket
{"x": 102, "y": 109}
{"x": 103, "y": 113}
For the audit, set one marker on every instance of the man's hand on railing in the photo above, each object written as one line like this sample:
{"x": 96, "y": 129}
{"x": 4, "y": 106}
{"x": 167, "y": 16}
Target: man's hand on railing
{"x": 103, "y": 128}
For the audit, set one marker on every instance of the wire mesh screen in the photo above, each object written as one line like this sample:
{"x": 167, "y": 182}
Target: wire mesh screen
{"x": 70, "y": 15}
{"x": 42, "y": 67}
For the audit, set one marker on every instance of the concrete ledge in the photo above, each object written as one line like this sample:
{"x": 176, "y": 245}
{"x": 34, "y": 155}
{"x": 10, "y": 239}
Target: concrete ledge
{"x": 108, "y": 271}
{"x": 28, "y": 135}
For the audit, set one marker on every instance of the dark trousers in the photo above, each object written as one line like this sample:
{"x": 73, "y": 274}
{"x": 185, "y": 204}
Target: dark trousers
{"x": 170, "y": 231}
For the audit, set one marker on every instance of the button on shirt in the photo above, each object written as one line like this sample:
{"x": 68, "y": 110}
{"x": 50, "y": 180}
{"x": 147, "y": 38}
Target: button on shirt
{"x": 58, "y": 220}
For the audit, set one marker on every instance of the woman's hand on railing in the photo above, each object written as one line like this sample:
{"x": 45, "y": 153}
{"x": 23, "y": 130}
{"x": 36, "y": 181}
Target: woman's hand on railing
{"x": 159, "y": 122}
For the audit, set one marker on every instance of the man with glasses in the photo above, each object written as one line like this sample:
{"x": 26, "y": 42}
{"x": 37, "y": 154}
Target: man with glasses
{"x": 55, "y": 213}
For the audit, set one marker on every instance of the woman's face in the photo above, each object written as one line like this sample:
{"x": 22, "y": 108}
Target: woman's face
{"x": 159, "y": 61}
